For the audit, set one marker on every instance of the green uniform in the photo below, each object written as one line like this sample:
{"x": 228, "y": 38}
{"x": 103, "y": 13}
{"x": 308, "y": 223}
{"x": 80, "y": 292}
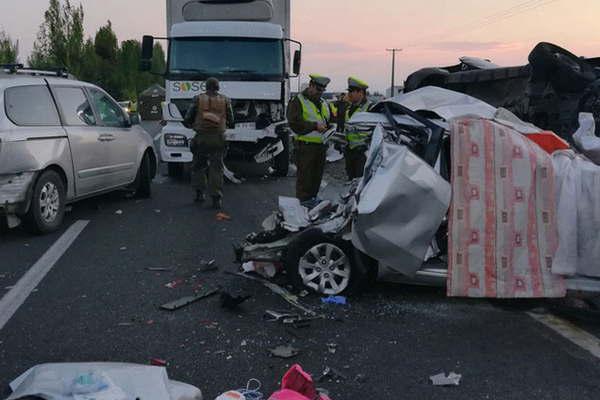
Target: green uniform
{"x": 209, "y": 148}
{"x": 357, "y": 143}
{"x": 304, "y": 113}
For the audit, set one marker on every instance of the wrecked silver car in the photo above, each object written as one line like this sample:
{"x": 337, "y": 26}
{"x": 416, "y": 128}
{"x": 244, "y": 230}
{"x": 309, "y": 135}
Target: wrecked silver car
{"x": 394, "y": 223}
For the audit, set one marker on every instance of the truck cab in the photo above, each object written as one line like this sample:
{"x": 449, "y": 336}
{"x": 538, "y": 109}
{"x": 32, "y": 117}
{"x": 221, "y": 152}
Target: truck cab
{"x": 244, "y": 44}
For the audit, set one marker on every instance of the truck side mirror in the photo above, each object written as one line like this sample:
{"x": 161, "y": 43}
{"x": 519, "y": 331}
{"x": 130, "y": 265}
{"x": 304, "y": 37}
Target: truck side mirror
{"x": 297, "y": 62}
{"x": 147, "y": 53}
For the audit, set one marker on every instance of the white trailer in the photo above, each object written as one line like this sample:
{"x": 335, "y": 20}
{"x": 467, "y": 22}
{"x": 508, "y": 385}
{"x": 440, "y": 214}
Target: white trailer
{"x": 246, "y": 45}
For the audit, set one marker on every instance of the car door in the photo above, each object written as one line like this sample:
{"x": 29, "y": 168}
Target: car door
{"x": 88, "y": 148}
{"x": 119, "y": 135}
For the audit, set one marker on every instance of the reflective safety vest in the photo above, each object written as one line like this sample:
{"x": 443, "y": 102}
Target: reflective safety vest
{"x": 357, "y": 139}
{"x": 311, "y": 113}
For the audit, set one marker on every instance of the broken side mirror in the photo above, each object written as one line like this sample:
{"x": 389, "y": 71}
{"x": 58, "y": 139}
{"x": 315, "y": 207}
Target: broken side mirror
{"x": 147, "y": 53}
{"x": 297, "y": 62}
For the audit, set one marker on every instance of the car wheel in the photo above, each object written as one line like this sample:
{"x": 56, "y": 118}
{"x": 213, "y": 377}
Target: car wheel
{"x": 324, "y": 265}
{"x": 282, "y": 160}
{"x": 143, "y": 187}
{"x": 47, "y": 208}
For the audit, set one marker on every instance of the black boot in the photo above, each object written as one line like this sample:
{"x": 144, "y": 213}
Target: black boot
{"x": 199, "y": 197}
{"x": 217, "y": 203}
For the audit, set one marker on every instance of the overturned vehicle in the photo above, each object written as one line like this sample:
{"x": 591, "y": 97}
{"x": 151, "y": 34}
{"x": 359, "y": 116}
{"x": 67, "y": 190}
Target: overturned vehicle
{"x": 498, "y": 237}
{"x": 550, "y": 91}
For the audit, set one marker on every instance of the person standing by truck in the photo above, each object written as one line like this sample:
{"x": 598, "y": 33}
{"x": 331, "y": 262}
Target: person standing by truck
{"x": 357, "y": 141}
{"x": 209, "y": 116}
{"x": 309, "y": 117}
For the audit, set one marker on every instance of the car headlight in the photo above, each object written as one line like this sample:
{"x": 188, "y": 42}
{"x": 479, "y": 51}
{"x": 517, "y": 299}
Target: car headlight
{"x": 173, "y": 140}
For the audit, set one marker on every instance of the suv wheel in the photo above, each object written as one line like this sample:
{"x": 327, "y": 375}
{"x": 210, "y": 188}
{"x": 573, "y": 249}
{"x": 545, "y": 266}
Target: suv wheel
{"x": 143, "y": 188}
{"x": 47, "y": 208}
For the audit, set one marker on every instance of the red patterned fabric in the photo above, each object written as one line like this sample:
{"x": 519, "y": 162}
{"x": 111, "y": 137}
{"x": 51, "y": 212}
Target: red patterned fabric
{"x": 502, "y": 233}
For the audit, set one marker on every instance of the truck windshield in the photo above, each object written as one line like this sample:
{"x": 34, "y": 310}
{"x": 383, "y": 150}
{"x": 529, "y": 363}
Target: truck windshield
{"x": 226, "y": 58}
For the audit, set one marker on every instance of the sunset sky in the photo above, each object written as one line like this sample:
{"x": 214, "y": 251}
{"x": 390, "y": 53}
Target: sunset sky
{"x": 349, "y": 37}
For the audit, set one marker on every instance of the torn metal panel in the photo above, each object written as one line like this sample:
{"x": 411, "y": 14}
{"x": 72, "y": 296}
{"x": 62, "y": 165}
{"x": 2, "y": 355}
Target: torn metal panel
{"x": 269, "y": 152}
{"x": 185, "y": 301}
{"x": 401, "y": 205}
{"x": 295, "y": 216}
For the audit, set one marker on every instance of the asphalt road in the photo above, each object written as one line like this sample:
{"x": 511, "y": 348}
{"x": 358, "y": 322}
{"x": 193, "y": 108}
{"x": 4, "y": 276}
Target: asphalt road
{"x": 100, "y": 303}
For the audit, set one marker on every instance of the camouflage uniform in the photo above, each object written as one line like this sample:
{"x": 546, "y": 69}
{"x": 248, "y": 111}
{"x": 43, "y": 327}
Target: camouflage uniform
{"x": 209, "y": 148}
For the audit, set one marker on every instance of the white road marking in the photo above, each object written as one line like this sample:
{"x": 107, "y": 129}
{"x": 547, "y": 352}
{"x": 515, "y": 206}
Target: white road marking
{"x": 570, "y": 332}
{"x": 12, "y": 300}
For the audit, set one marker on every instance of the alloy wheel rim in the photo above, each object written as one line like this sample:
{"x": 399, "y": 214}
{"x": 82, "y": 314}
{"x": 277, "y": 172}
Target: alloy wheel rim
{"x": 325, "y": 268}
{"x": 49, "y": 202}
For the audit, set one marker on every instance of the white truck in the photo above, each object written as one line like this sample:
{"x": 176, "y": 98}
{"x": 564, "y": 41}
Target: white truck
{"x": 246, "y": 45}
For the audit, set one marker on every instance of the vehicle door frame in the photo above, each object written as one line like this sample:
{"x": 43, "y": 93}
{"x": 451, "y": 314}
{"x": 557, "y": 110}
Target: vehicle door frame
{"x": 116, "y": 140}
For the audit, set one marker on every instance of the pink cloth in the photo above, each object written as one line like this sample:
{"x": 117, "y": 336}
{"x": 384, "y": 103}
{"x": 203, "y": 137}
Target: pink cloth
{"x": 503, "y": 233}
{"x": 297, "y": 385}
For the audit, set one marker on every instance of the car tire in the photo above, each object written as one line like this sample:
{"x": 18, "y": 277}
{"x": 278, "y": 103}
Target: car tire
{"x": 47, "y": 208}
{"x": 143, "y": 187}
{"x": 567, "y": 72}
{"x": 175, "y": 170}
{"x": 325, "y": 265}
{"x": 282, "y": 160}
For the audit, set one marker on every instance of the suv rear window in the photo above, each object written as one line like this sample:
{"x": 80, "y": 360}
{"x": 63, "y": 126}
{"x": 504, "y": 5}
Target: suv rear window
{"x": 30, "y": 105}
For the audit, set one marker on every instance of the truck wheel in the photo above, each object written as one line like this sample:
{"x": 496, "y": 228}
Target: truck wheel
{"x": 324, "y": 265}
{"x": 175, "y": 169}
{"x": 47, "y": 208}
{"x": 143, "y": 187}
{"x": 567, "y": 72}
{"x": 282, "y": 160}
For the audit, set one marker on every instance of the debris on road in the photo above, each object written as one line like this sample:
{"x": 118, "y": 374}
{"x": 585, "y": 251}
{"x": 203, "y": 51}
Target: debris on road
{"x": 284, "y": 351}
{"x": 123, "y": 248}
{"x": 185, "y": 301}
{"x": 119, "y": 212}
{"x": 221, "y": 216}
{"x": 284, "y": 293}
{"x": 159, "y": 269}
{"x": 265, "y": 269}
{"x": 335, "y": 300}
{"x": 298, "y": 385}
{"x": 101, "y": 381}
{"x": 158, "y": 362}
{"x": 247, "y": 393}
{"x": 207, "y": 266}
{"x": 232, "y": 302}
{"x": 332, "y": 347}
{"x": 174, "y": 284}
{"x": 441, "y": 379}
{"x": 332, "y": 374}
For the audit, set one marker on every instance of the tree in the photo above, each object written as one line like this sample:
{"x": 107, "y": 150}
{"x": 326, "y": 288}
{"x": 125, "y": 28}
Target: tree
{"x": 9, "y": 50}
{"x": 60, "y": 40}
{"x": 108, "y": 75}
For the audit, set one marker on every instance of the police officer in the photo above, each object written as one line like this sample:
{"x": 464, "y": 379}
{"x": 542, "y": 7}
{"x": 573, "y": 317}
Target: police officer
{"x": 210, "y": 115}
{"x": 357, "y": 141}
{"x": 309, "y": 117}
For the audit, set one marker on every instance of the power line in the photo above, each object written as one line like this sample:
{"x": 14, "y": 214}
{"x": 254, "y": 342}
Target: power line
{"x": 491, "y": 19}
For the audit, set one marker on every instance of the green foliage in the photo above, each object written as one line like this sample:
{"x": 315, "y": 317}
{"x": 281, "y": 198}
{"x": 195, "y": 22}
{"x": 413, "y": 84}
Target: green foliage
{"x": 61, "y": 43}
{"x": 60, "y": 40}
{"x": 9, "y": 50}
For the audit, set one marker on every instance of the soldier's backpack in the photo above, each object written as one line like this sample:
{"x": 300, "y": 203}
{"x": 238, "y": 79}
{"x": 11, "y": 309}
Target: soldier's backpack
{"x": 212, "y": 113}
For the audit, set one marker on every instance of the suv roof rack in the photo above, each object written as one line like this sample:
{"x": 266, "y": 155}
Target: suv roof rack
{"x": 20, "y": 69}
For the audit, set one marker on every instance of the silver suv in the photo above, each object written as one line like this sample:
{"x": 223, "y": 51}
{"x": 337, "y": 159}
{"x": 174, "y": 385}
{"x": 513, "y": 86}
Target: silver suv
{"x": 62, "y": 140}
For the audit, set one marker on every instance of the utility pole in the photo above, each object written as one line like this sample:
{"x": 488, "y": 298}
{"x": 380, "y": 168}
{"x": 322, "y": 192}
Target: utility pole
{"x": 393, "y": 69}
